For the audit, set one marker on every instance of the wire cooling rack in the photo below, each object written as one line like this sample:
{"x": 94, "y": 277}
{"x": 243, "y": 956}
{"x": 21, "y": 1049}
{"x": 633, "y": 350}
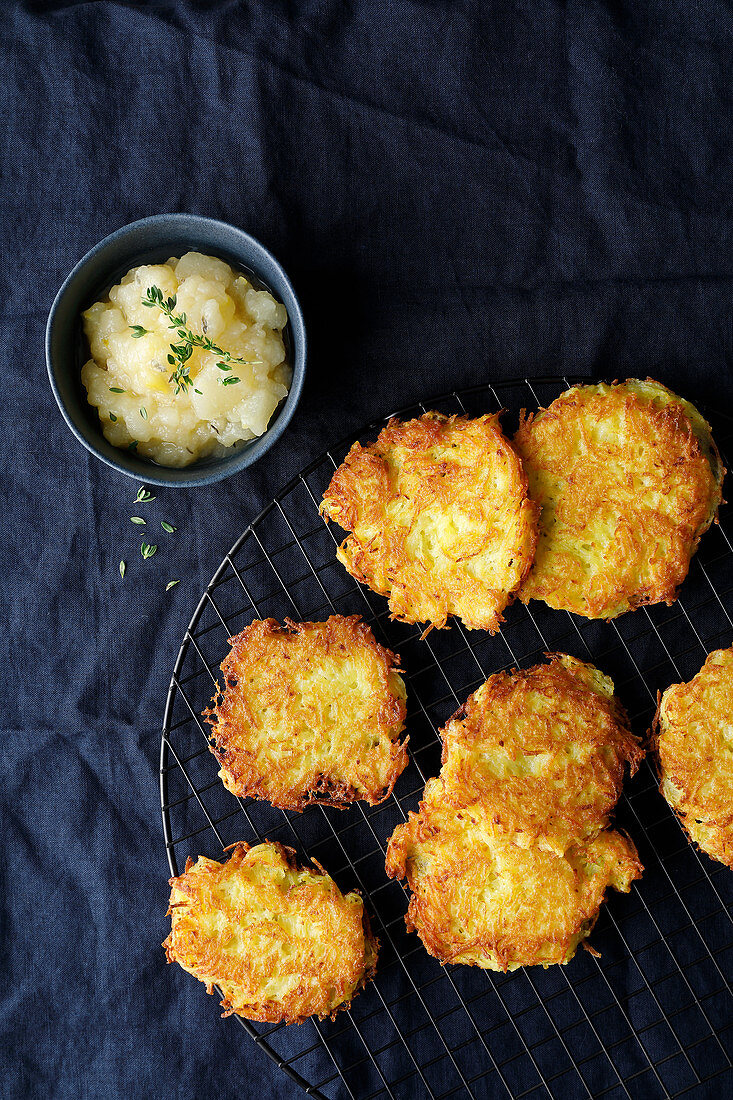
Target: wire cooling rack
{"x": 652, "y": 1017}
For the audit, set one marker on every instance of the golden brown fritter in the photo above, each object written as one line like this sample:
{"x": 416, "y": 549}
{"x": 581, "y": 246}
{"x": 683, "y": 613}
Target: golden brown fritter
{"x": 486, "y": 901}
{"x": 693, "y": 737}
{"x": 281, "y": 942}
{"x": 628, "y": 479}
{"x": 439, "y": 518}
{"x": 310, "y": 712}
{"x": 509, "y": 857}
{"x": 544, "y": 748}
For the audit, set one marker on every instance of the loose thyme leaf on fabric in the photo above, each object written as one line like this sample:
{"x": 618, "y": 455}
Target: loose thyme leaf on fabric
{"x": 123, "y": 567}
{"x": 167, "y": 527}
{"x": 170, "y": 585}
{"x": 143, "y": 495}
{"x": 137, "y": 519}
{"x": 147, "y": 550}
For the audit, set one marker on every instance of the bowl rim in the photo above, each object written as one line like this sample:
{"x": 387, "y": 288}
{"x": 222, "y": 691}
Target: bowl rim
{"x": 247, "y": 456}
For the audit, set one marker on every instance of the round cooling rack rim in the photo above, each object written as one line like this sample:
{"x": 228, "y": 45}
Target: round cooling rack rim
{"x": 330, "y": 1041}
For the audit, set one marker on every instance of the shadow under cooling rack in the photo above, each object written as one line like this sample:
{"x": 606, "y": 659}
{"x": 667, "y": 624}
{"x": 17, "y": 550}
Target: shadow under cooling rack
{"x": 652, "y": 1017}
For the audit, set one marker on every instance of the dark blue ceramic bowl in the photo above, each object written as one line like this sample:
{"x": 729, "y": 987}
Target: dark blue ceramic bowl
{"x": 154, "y": 240}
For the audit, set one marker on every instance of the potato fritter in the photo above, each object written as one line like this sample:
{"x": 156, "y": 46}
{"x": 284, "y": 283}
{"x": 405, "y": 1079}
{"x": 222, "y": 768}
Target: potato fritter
{"x": 510, "y": 855}
{"x": 544, "y": 748}
{"x": 693, "y": 737}
{"x": 488, "y": 902}
{"x": 628, "y": 479}
{"x": 281, "y": 942}
{"x": 310, "y": 712}
{"x": 439, "y": 518}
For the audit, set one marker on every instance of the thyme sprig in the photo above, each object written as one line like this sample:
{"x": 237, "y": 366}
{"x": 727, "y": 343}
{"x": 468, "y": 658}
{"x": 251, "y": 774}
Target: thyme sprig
{"x": 180, "y": 353}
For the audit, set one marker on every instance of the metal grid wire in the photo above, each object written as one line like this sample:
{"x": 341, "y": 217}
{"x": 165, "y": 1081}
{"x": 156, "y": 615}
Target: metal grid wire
{"x": 652, "y": 1017}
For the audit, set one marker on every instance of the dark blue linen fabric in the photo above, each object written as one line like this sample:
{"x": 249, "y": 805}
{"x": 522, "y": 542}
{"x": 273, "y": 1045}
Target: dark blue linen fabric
{"x": 460, "y": 192}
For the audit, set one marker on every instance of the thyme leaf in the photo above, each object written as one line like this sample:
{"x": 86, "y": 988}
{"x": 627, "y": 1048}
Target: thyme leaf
{"x": 180, "y": 353}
